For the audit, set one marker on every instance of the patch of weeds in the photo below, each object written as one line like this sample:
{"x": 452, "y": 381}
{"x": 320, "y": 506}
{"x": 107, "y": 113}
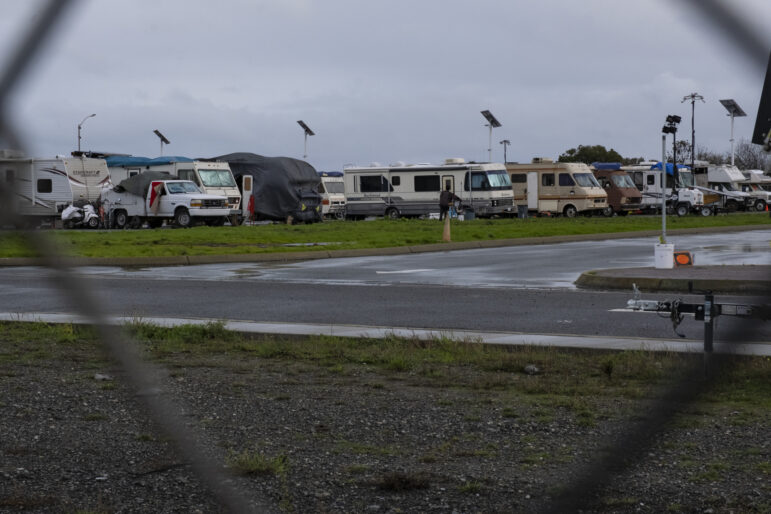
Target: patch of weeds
{"x": 472, "y": 417}
{"x": 144, "y": 437}
{"x": 621, "y": 501}
{"x": 95, "y": 416}
{"x": 674, "y": 507}
{"x": 250, "y": 462}
{"x": 108, "y": 386}
{"x": 356, "y": 469}
{"x": 282, "y": 398}
{"x": 534, "y": 458}
{"x": 509, "y": 412}
{"x": 714, "y": 471}
{"x": 763, "y": 467}
{"x": 445, "y": 403}
{"x": 472, "y": 487}
{"x": 401, "y": 481}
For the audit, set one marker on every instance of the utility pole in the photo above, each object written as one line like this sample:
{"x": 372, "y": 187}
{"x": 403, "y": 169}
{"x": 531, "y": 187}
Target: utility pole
{"x": 505, "y": 143}
{"x": 693, "y": 97}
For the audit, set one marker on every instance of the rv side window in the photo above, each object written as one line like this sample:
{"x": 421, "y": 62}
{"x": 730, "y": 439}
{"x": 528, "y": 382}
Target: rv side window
{"x": 427, "y": 183}
{"x": 518, "y": 178}
{"x": 397, "y": 180}
{"x": 9, "y": 175}
{"x": 188, "y": 175}
{"x": 651, "y": 180}
{"x": 44, "y": 185}
{"x": 547, "y": 179}
{"x": 566, "y": 180}
{"x": 377, "y": 184}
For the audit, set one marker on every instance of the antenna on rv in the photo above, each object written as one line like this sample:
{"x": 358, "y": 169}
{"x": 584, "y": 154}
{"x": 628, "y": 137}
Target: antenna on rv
{"x": 162, "y": 138}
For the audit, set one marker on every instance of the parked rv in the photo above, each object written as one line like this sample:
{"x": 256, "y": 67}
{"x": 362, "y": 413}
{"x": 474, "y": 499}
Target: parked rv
{"x": 680, "y": 200}
{"x": 332, "y": 191}
{"x": 758, "y": 185}
{"x": 211, "y": 177}
{"x": 623, "y": 195}
{"x": 413, "y": 189}
{"x": 153, "y": 198}
{"x": 43, "y": 188}
{"x": 724, "y": 181}
{"x": 566, "y": 188}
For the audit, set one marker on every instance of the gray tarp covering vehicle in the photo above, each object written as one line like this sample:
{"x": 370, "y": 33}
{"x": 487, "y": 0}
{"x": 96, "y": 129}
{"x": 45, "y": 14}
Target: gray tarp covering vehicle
{"x": 282, "y": 186}
{"x": 139, "y": 184}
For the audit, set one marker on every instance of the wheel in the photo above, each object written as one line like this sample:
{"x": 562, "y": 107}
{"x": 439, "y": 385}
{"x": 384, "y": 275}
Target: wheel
{"x": 340, "y": 215}
{"x": 182, "y": 218}
{"x": 121, "y": 220}
{"x": 607, "y": 211}
{"x": 760, "y": 205}
{"x": 681, "y": 210}
{"x": 705, "y": 211}
{"x": 93, "y": 223}
{"x": 392, "y": 213}
{"x": 570, "y": 211}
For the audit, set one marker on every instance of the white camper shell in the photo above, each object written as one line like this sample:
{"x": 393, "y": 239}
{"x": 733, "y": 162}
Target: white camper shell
{"x": 332, "y": 191}
{"x": 43, "y": 188}
{"x": 214, "y": 178}
{"x": 758, "y": 185}
{"x": 566, "y": 188}
{"x": 413, "y": 189}
{"x": 683, "y": 199}
{"x": 723, "y": 181}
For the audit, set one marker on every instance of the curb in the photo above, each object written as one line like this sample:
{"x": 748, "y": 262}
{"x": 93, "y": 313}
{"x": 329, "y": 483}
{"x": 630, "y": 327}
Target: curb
{"x": 595, "y": 280}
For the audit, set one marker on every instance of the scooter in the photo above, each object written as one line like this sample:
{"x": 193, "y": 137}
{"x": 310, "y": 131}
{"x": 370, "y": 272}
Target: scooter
{"x": 86, "y": 216}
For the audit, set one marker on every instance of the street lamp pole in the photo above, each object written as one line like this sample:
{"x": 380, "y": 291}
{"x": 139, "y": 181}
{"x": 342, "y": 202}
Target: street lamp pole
{"x": 693, "y": 97}
{"x": 80, "y": 125}
{"x": 505, "y": 143}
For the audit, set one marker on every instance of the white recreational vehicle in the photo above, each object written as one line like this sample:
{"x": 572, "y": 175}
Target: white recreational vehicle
{"x": 723, "y": 182}
{"x": 413, "y": 189}
{"x": 567, "y": 188}
{"x": 686, "y": 198}
{"x": 43, "y": 188}
{"x": 758, "y": 185}
{"x": 214, "y": 178}
{"x": 332, "y": 191}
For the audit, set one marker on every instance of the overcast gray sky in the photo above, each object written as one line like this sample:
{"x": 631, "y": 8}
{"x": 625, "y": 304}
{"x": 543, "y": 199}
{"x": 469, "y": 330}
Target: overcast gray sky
{"x": 402, "y": 80}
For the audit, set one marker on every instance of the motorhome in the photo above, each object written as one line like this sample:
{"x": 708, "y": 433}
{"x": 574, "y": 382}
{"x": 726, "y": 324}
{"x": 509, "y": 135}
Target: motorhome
{"x": 680, "y": 200}
{"x": 214, "y": 178}
{"x": 332, "y": 191}
{"x": 723, "y": 180}
{"x": 623, "y": 195}
{"x": 43, "y": 188}
{"x": 758, "y": 185}
{"x": 549, "y": 187}
{"x": 413, "y": 189}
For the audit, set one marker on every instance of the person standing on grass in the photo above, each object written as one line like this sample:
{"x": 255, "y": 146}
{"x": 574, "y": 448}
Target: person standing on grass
{"x": 446, "y": 197}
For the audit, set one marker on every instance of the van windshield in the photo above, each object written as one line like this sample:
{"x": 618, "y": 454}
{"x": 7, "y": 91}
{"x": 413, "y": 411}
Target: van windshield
{"x": 334, "y": 187}
{"x": 182, "y": 187}
{"x": 622, "y": 181}
{"x": 217, "y": 178}
{"x": 686, "y": 178}
{"x": 586, "y": 180}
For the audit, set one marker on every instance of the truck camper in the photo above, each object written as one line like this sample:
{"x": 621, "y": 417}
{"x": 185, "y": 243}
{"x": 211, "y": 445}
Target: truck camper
{"x": 566, "y": 188}
{"x": 623, "y": 196}
{"x": 758, "y": 185}
{"x": 413, "y": 189}
{"x": 724, "y": 181}
{"x": 43, "y": 188}
{"x": 332, "y": 191}
{"x": 680, "y": 200}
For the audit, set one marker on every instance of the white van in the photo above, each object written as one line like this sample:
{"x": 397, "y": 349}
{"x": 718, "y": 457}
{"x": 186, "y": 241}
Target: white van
{"x": 332, "y": 191}
{"x": 413, "y": 189}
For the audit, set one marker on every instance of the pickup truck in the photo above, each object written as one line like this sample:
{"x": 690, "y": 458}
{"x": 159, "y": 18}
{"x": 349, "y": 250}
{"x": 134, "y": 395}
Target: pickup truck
{"x": 154, "y": 198}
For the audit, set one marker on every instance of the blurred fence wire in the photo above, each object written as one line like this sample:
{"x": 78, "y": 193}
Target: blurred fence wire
{"x": 147, "y": 379}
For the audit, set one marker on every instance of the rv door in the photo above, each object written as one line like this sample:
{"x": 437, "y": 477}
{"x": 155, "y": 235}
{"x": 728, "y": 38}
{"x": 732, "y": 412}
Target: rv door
{"x": 532, "y": 190}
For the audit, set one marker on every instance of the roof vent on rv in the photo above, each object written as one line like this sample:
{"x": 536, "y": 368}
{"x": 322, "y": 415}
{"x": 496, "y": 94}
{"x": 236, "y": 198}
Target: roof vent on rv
{"x": 398, "y": 164}
{"x": 540, "y": 160}
{"x": 455, "y": 160}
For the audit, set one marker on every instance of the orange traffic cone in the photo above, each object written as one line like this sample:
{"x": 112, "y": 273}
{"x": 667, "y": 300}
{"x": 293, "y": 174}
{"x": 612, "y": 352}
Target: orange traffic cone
{"x": 446, "y": 233}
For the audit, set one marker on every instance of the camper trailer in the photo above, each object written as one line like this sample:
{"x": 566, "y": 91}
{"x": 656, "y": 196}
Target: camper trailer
{"x": 214, "y": 178}
{"x": 413, "y": 189}
{"x": 43, "y": 188}
{"x": 332, "y": 191}
{"x": 685, "y": 198}
{"x": 566, "y": 188}
{"x": 623, "y": 196}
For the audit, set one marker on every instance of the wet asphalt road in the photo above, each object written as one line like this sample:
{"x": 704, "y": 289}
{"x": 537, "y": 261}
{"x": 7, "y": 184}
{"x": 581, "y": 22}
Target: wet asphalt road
{"x": 515, "y": 289}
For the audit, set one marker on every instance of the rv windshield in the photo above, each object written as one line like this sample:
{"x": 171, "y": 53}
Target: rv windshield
{"x": 623, "y": 181}
{"x": 499, "y": 179}
{"x": 217, "y": 178}
{"x": 686, "y": 178}
{"x": 334, "y": 187}
{"x": 586, "y": 180}
{"x": 182, "y": 187}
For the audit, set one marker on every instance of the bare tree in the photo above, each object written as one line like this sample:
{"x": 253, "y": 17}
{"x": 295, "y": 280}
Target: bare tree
{"x": 748, "y": 156}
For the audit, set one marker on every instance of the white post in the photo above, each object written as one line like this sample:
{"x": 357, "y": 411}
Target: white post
{"x": 305, "y": 147}
{"x": 732, "y": 138}
{"x": 663, "y": 188}
{"x": 490, "y": 145}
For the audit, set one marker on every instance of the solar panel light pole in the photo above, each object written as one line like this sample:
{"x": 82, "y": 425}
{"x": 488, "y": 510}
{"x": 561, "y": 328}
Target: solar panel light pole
{"x": 505, "y": 143}
{"x": 734, "y": 111}
{"x": 492, "y": 123}
{"x": 308, "y": 132}
{"x": 80, "y": 125}
{"x": 162, "y": 138}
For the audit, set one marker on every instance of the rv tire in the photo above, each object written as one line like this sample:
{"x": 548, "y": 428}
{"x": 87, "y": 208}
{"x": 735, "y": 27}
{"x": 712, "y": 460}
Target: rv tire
{"x": 706, "y": 211}
{"x": 121, "y": 219}
{"x": 681, "y": 209}
{"x": 392, "y": 213}
{"x": 760, "y": 205}
{"x": 93, "y": 223}
{"x": 182, "y": 218}
{"x": 608, "y": 211}
{"x": 570, "y": 211}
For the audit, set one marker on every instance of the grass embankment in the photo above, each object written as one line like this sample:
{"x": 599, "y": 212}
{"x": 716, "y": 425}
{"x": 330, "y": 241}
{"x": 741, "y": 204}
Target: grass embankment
{"x": 343, "y": 235}
{"x": 566, "y": 379}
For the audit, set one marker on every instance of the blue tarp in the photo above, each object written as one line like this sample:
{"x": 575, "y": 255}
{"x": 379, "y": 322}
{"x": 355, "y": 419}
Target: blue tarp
{"x": 609, "y": 166}
{"x": 657, "y": 166}
{"x": 330, "y": 173}
{"x": 130, "y": 160}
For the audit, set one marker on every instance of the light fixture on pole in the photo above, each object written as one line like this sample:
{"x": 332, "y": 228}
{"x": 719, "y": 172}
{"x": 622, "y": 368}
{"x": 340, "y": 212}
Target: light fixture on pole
{"x": 505, "y": 143}
{"x": 734, "y": 111}
{"x": 308, "y": 132}
{"x": 492, "y": 123}
{"x": 163, "y": 139}
{"x": 81, "y": 125}
{"x": 693, "y": 97}
{"x": 671, "y": 128}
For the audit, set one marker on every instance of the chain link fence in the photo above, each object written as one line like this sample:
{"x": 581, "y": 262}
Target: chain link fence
{"x": 147, "y": 379}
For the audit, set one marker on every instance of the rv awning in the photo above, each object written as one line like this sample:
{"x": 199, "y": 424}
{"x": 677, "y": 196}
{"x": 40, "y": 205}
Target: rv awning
{"x": 130, "y": 160}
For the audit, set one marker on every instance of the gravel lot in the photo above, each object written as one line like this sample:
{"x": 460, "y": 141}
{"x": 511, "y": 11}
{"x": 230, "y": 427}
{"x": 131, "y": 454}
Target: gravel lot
{"x": 73, "y": 438}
